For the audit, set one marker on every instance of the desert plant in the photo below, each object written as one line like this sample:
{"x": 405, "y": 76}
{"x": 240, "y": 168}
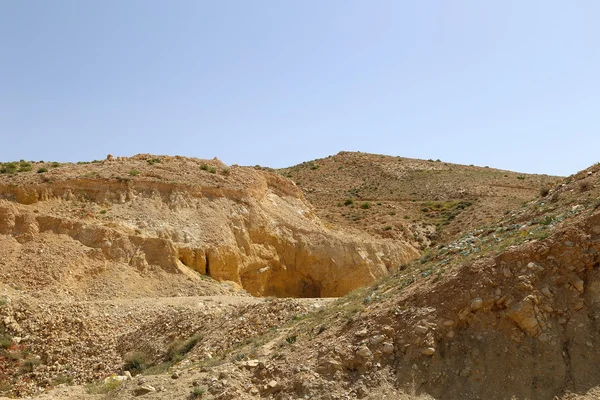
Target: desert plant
{"x": 153, "y": 161}
{"x": 134, "y": 172}
{"x": 365, "y": 206}
{"x": 179, "y": 348}
{"x": 28, "y": 365}
{"x": 544, "y": 190}
{"x": 197, "y": 393}
{"x": 584, "y": 186}
{"x": 291, "y": 339}
{"x": 55, "y": 164}
{"x": 5, "y": 341}
{"x": 42, "y": 170}
{"x": 348, "y": 202}
{"x": 136, "y": 362}
{"x": 103, "y": 387}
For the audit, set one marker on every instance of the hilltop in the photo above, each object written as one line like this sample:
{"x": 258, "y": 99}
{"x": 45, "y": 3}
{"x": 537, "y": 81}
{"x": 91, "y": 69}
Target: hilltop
{"x": 418, "y": 201}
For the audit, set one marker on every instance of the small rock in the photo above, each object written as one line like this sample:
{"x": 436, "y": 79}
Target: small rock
{"x": 577, "y": 284}
{"x": 175, "y": 375}
{"x": 364, "y": 352}
{"x": 421, "y": 329}
{"x": 144, "y": 389}
{"x": 507, "y": 272}
{"x": 388, "y": 348}
{"x": 546, "y": 292}
{"x": 377, "y": 339}
{"x": 476, "y": 304}
{"x": 448, "y": 323}
{"x": 272, "y": 384}
{"x": 361, "y": 333}
{"x": 429, "y": 351}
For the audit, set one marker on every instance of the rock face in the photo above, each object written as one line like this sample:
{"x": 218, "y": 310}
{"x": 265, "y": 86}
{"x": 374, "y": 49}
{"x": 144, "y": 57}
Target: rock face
{"x": 246, "y": 226}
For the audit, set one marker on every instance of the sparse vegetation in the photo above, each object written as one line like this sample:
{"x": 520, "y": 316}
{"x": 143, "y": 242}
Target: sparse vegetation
{"x": 134, "y": 172}
{"x": 136, "y": 362}
{"x": 42, "y": 170}
{"x": 102, "y": 387}
{"x": 153, "y": 161}
{"x": 197, "y": 393}
{"x": 365, "y": 206}
{"x": 208, "y": 168}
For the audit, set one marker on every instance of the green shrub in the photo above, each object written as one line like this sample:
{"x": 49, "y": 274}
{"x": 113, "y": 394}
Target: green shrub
{"x": 42, "y": 170}
{"x": 365, "y": 206}
{"x": 348, "y": 202}
{"x": 55, "y": 164}
{"x": 28, "y": 365}
{"x": 134, "y": 172}
{"x": 9, "y": 168}
{"x": 179, "y": 348}
{"x": 5, "y": 341}
{"x": 153, "y": 161}
{"x": 103, "y": 388}
{"x": 136, "y": 362}
{"x": 197, "y": 393}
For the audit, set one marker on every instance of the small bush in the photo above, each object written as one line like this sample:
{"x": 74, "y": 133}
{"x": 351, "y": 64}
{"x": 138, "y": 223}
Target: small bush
{"x": 134, "y": 172}
{"x": 584, "y": 186}
{"x": 544, "y": 191}
{"x": 520, "y": 177}
{"x": 62, "y": 379}
{"x": 8, "y": 168}
{"x": 153, "y": 161}
{"x": 365, "y": 205}
{"x": 387, "y": 228}
{"x": 136, "y": 362}
{"x": 348, "y": 202}
{"x": 197, "y": 393}
{"x": 178, "y": 349}
{"x": 226, "y": 171}
{"x": 42, "y": 170}
{"x": 55, "y": 164}
{"x": 291, "y": 339}
{"x": 103, "y": 388}
{"x": 28, "y": 365}
{"x": 5, "y": 341}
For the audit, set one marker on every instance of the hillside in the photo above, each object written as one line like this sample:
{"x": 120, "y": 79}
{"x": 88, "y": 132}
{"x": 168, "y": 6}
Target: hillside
{"x": 506, "y": 310}
{"x": 418, "y": 201}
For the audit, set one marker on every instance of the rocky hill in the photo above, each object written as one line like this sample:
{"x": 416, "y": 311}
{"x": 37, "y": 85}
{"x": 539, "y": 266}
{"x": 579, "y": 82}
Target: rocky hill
{"x": 506, "y": 310}
{"x": 89, "y": 227}
{"x": 417, "y": 201}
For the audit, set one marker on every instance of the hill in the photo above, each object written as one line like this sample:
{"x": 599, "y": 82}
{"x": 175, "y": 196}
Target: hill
{"x": 423, "y": 202}
{"x": 508, "y": 309}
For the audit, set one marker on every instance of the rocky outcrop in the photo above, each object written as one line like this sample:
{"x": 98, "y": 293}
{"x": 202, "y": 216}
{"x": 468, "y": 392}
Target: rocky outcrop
{"x": 252, "y": 228}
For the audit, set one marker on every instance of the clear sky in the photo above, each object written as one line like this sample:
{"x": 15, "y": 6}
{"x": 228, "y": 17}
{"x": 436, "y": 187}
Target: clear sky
{"x": 508, "y": 84}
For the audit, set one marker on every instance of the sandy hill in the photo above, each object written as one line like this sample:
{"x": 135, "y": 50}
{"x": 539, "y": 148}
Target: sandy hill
{"x": 418, "y": 201}
{"x": 507, "y": 309}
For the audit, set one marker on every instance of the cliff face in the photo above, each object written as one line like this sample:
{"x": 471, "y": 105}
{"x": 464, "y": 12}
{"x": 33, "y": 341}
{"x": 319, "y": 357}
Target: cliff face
{"x": 242, "y": 225}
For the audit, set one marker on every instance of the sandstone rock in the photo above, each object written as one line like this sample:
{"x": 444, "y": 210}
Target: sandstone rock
{"x": 476, "y": 304}
{"x": 377, "y": 339}
{"x": 523, "y": 314}
{"x": 577, "y": 284}
{"x": 144, "y": 389}
{"x": 546, "y": 292}
{"x": 429, "y": 351}
{"x": 388, "y": 348}
{"x": 364, "y": 352}
{"x": 420, "y": 329}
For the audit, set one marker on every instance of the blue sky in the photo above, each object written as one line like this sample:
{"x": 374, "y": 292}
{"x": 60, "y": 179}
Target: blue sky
{"x": 509, "y": 84}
